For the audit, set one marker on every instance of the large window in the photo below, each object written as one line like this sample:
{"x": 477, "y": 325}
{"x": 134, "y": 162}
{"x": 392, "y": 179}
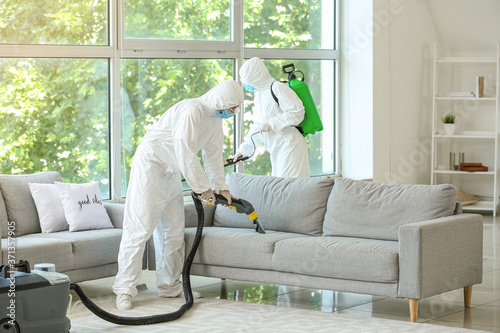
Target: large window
{"x": 81, "y": 81}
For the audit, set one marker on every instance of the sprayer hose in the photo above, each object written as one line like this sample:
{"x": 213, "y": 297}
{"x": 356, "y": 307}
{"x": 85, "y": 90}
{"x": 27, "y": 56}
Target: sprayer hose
{"x": 186, "y": 284}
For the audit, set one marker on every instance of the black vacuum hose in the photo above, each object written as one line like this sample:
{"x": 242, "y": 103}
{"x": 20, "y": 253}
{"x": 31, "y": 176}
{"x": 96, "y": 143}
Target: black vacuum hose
{"x": 186, "y": 284}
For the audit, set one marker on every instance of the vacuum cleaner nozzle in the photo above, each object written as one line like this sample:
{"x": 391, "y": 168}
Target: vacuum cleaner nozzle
{"x": 240, "y": 206}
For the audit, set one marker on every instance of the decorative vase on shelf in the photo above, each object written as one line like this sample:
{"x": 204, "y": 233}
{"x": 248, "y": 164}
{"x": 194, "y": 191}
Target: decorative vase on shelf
{"x": 449, "y": 129}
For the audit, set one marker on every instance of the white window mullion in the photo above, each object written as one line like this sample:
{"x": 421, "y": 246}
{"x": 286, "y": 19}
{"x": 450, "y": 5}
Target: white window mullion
{"x": 292, "y": 54}
{"x": 115, "y": 99}
{"x": 178, "y": 45}
{"x": 55, "y": 51}
{"x": 179, "y": 54}
{"x": 238, "y": 38}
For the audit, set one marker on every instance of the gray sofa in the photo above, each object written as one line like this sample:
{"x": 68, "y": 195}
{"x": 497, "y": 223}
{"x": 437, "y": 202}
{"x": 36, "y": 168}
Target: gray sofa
{"x": 406, "y": 241}
{"x": 403, "y": 241}
{"x": 82, "y": 255}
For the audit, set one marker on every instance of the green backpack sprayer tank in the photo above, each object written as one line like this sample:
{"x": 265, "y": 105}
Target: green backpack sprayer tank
{"x": 312, "y": 121}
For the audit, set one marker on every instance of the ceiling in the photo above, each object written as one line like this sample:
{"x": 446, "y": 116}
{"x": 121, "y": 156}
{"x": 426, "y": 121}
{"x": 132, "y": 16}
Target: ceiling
{"x": 466, "y": 27}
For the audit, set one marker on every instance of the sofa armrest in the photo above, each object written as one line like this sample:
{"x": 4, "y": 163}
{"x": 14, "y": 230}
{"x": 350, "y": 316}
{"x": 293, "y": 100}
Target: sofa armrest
{"x": 440, "y": 255}
{"x": 115, "y": 212}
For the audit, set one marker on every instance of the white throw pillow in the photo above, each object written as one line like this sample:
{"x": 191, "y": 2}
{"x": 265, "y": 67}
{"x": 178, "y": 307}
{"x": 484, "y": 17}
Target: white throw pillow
{"x": 83, "y": 206}
{"x": 49, "y": 207}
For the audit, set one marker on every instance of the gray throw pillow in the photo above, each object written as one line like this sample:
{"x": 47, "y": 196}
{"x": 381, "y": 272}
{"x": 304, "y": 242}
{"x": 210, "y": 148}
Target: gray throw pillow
{"x": 19, "y": 203}
{"x": 375, "y": 210}
{"x": 283, "y": 204}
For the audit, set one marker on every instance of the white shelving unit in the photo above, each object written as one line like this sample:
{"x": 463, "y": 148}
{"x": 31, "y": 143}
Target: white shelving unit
{"x": 477, "y": 121}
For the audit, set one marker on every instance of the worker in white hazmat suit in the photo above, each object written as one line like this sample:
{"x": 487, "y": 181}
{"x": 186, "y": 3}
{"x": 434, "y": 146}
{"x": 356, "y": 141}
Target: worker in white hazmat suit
{"x": 275, "y": 123}
{"x": 154, "y": 196}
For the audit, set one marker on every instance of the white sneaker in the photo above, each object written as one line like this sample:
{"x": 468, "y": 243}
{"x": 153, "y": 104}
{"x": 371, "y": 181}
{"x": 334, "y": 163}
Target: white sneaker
{"x": 123, "y": 302}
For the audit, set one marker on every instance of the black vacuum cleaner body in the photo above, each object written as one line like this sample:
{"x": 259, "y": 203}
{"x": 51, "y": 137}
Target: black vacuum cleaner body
{"x": 33, "y": 302}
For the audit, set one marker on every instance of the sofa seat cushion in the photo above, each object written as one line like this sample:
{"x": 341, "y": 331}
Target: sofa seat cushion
{"x": 339, "y": 257}
{"x": 19, "y": 202}
{"x": 88, "y": 248}
{"x": 39, "y": 249}
{"x": 235, "y": 247}
{"x": 376, "y": 210}
{"x": 296, "y": 205}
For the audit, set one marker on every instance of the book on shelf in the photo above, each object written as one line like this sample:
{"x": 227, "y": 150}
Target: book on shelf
{"x": 480, "y": 86}
{"x": 462, "y": 94}
{"x": 473, "y": 167}
{"x": 469, "y": 164}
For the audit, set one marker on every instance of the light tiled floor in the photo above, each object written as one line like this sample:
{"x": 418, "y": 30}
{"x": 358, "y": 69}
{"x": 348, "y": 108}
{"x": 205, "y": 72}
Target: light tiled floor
{"x": 446, "y": 309}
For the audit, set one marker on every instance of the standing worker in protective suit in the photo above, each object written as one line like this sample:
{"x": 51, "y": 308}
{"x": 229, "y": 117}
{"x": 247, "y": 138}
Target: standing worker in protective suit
{"x": 154, "y": 197}
{"x": 276, "y": 123}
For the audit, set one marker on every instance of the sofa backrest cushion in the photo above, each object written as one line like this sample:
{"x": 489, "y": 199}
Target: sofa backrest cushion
{"x": 19, "y": 203}
{"x": 375, "y": 210}
{"x": 191, "y": 215}
{"x": 3, "y": 217}
{"x": 283, "y": 204}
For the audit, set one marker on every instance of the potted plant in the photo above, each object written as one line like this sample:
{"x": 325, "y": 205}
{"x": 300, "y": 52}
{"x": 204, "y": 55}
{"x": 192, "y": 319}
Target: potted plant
{"x": 449, "y": 124}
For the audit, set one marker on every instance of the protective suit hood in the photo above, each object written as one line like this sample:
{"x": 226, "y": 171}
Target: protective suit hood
{"x": 224, "y": 95}
{"x": 255, "y": 73}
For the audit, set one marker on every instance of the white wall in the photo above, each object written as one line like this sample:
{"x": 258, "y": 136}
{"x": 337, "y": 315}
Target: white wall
{"x": 402, "y": 74}
{"x": 357, "y": 90}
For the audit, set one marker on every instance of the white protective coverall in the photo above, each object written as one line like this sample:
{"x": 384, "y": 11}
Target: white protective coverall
{"x": 154, "y": 196}
{"x": 286, "y": 145}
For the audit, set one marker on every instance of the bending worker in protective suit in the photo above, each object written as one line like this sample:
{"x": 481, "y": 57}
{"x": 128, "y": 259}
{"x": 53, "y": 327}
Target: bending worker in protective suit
{"x": 276, "y": 123}
{"x": 154, "y": 197}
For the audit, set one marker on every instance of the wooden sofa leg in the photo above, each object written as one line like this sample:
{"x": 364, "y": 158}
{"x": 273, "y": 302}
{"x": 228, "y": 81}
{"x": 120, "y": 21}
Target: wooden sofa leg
{"x": 467, "y": 296}
{"x": 413, "y": 310}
